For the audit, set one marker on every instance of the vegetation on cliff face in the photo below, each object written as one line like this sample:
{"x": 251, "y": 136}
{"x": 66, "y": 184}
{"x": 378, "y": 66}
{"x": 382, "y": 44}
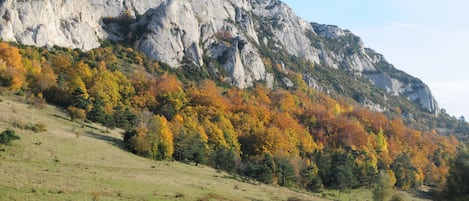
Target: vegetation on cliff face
{"x": 296, "y": 137}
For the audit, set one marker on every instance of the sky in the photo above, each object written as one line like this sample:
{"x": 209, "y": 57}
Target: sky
{"x": 428, "y": 39}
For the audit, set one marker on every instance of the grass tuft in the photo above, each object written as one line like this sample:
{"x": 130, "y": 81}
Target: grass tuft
{"x": 179, "y": 195}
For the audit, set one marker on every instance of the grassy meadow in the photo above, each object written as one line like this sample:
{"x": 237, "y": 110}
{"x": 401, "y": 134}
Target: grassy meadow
{"x": 68, "y": 162}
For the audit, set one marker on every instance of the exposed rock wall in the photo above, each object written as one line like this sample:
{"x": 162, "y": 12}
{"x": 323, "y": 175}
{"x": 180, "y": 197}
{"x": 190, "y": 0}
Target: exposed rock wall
{"x": 227, "y": 30}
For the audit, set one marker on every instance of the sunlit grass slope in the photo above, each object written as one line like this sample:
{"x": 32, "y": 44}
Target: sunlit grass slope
{"x": 68, "y": 162}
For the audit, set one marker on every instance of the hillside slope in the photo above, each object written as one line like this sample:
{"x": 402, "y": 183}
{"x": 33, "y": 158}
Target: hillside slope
{"x": 68, "y": 162}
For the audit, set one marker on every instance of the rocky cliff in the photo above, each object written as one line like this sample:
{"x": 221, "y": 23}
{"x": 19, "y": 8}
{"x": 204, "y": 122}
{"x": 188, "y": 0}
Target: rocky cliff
{"x": 238, "y": 34}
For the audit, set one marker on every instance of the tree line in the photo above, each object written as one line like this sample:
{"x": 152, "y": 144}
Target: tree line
{"x": 298, "y": 138}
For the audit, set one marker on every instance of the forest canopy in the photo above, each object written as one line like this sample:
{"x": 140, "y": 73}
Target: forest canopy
{"x": 292, "y": 137}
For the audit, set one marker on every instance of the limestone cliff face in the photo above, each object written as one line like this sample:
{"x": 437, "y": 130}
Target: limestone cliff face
{"x": 67, "y": 23}
{"x": 178, "y": 30}
{"x": 232, "y": 32}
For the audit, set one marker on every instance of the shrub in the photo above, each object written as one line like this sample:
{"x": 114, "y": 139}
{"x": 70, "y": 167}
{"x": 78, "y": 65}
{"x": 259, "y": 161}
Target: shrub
{"x": 76, "y": 113}
{"x": 7, "y": 136}
{"x": 36, "y": 101}
{"x": 20, "y": 125}
{"x": 179, "y": 195}
{"x": 399, "y": 197}
{"x": 39, "y": 127}
{"x": 293, "y": 198}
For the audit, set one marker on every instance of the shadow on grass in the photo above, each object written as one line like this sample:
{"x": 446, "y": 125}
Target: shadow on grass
{"x": 426, "y": 193}
{"x": 60, "y": 117}
{"x": 106, "y": 138}
{"x": 99, "y": 136}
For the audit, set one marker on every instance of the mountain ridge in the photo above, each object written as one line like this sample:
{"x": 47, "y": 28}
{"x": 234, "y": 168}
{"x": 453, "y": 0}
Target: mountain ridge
{"x": 239, "y": 34}
{"x": 244, "y": 92}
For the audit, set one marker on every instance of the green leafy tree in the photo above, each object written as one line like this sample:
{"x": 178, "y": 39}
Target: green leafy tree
{"x": 285, "y": 172}
{"x": 383, "y": 187}
{"x": 190, "y": 147}
{"x": 268, "y": 168}
{"x": 97, "y": 113}
{"x": 263, "y": 170}
{"x": 324, "y": 163}
{"x": 109, "y": 122}
{"x": 125, "y": 118}
{"x": 345, "y": 178}
{"x": 224, "y": 159}
{"x": 81, "y": 100}
{"x": 457, "y": 183}
{"x": 405, "y": 172}
{"x": 310, "y": 179}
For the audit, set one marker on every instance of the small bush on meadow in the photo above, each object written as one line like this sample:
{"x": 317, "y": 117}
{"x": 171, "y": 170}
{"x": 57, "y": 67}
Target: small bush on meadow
{"x": 39, "y": 127}
{"x": 7, "y": 136}
{"x": 76, "y": 113}
{"x": 399, "y": 197}
{"x": 36, "y": 101}
{"x": 294, "y": 199}
{"x": 20, "y": 125}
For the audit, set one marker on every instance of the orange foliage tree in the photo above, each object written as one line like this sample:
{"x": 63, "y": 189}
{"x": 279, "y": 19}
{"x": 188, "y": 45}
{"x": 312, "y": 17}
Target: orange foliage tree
{"x": 12, "y": 71}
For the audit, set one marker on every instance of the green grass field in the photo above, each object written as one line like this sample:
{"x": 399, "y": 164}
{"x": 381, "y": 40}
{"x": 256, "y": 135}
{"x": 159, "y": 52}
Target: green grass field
{"x": 68, "y": 162}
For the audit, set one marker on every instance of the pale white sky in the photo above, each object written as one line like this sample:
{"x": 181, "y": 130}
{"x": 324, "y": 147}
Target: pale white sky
{"x": 428, "y": 39}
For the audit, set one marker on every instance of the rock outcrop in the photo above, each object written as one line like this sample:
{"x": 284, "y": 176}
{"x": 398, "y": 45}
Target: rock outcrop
{"x": 66, "y": 23}
{"x": 229, "y": 31}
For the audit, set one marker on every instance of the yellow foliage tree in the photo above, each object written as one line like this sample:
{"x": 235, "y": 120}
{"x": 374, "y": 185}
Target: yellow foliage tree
{"x": 215, "y": 135}
{"x": 162, "y": 146}
{"x": 381, "y": 143}
{"x": 12, "y": 71}
{"x": 106, "y": 86}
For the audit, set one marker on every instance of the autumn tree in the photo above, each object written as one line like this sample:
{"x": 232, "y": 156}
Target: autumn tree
{"x": 76, "y": 113}
{"x": 381, "y": 143}
{"x": 153, "y": 139}
{"x": 190, "y": 139}
{"x": 208, "y": 94}
{"x": 266, "y": 133}
{"x": 145, "y": 90}
{"x": 170, "y": 96}
{"x": 42, "y": 79}
{"x": 105, "y": 86}
{"x": 12, "y": 71}
{"x": 163, "y": 144}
